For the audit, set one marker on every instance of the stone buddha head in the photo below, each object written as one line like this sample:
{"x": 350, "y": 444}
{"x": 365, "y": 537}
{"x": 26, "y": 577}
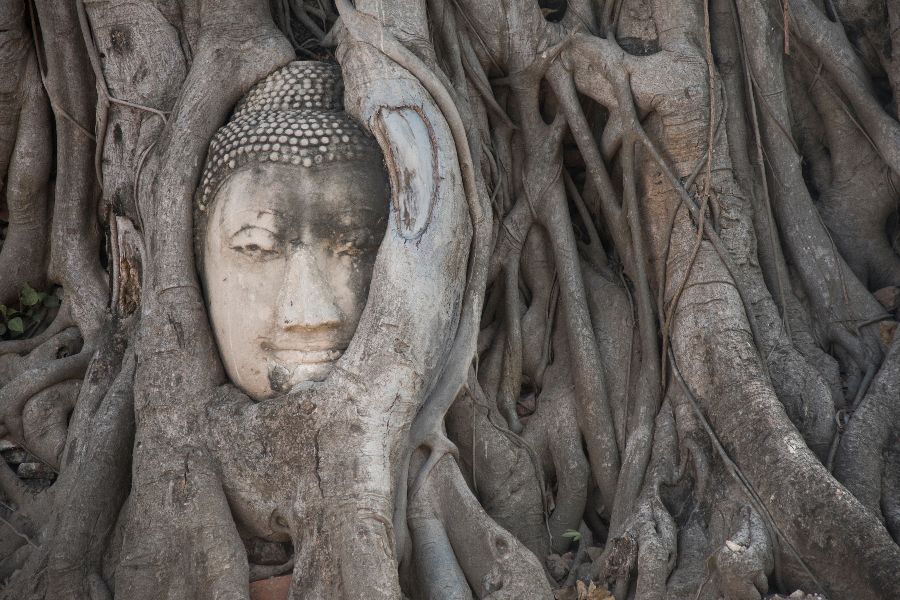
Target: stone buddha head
{"x": 289, "y": 216}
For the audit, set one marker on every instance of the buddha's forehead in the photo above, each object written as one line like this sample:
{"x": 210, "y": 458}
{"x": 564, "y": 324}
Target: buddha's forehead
{"x": 275, "y": 195}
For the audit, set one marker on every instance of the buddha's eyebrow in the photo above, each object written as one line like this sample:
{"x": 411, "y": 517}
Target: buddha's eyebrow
{"x": 253, "y": 219}
{"x": 247, "y": 226}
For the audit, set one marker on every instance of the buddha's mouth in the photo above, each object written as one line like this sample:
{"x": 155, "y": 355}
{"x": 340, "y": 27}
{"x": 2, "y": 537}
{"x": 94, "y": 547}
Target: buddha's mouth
{"x": 306, "y": 357}
{"x": 288, "y": 368}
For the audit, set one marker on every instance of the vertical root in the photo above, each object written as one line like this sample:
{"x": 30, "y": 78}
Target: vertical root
{"x": 494, "y": 562}
{"x": 511, "y": 380}
{"x": 745, "y": 560}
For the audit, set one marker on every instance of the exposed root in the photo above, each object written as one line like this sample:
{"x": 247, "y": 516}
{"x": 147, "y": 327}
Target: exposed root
{"x": 511, "y": 380}
{"x": 860, "y": 458}
{"x": 437, "y": 568}
{"x": 61, "y": 322}
{"x": 45, "y": 421}
{"x": 65, "y": 343}
{"x": 745, "y": 559}
{"x": 26, "y": 175}
{"x": 18, "y": 392}
{"x": 496, "y": 565}
{"x": 686, "y": 188}
{"x": 514, "y": 498}
{"x": 556, "y": 416}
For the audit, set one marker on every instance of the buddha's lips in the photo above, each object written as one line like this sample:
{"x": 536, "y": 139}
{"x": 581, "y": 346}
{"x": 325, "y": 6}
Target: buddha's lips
{"x": 307, "y": 357}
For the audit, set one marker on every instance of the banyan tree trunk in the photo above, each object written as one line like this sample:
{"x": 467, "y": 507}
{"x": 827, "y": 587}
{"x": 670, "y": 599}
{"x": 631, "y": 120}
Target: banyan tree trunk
{"x": 631, "y": 330}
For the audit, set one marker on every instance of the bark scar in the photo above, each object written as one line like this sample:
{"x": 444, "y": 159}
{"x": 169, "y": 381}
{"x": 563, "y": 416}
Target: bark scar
{"x": 401, "y": 132}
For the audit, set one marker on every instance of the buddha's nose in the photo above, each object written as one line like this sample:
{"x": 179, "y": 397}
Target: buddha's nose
{"x": 306, "y": 300}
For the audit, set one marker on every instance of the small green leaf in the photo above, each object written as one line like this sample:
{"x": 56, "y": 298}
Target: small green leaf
{"x": 29, "y": 296}
{"x": 15, "y": 324}
{"x": 3, "y": 310}
{"x": 2, "y": 328}
{"x": 572, "y": 535}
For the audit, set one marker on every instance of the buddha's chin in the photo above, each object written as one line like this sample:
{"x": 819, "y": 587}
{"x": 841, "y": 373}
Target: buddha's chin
{"x": 285, "y": 374}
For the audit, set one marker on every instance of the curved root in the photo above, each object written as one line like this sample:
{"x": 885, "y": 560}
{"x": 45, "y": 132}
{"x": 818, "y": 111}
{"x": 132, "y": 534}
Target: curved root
{"x": 61, "y": 322}
{"x": 45, "y": 421}
{"x": 745, "y": 559}
{"x": 494, "y": 562}
{"x": 15, "y": 394}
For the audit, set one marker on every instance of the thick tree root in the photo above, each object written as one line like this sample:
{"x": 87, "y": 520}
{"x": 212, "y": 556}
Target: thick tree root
{"x": 24, "y": 176}
{"x": 18, "y": 392}
{"x": 496, "y": 565}
{"x": 863, "y": 460}
{"x": 745, "y": 559}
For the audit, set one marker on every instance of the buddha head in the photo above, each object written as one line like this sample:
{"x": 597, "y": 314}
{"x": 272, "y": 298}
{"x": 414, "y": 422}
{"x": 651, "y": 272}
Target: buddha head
{"x": 289, "y": 216}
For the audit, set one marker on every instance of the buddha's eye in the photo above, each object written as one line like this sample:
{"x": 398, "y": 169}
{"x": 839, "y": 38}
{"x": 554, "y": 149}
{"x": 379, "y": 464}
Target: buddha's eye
{"x": 255, "y": 242}
{"x": 348, "y": 249}
{"x": 355, "y": 244}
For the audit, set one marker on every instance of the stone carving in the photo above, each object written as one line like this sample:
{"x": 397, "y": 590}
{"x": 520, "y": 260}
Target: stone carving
{"x": 289, "y": 215}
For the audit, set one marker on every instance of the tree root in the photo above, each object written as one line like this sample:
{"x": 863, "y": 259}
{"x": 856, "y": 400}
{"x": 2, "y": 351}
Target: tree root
{"x": 73, "y": 263}
{"x": 830, "y": 285}
{"x": 100, "y": 430}
{"x": 514, "y": 498}
{"x": 745, "y": 559}
{"x": 860, "y": 458}
{"x": 12, "y": 488}
{"x": 61, "y": 322}
{"x": 437, "y": 568}
{"x": 656, "y": 549}
{"x": 65, "y": 343}
{"x": 429, "y": 420}
{"x": 829, "y": 41}
{"x": 354, "y": 470}
{"x": 45, "y": 421}
{"x": 18, "y": 392}
{"x": 511, "y": 380}
{"x": 557, "y": 413}
{"x": 24, "y": 251}
{"x": 495, "y": 564}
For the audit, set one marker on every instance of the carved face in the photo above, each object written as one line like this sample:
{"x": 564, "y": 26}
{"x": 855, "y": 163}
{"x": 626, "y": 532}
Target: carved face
{"x": 287, "y": 263}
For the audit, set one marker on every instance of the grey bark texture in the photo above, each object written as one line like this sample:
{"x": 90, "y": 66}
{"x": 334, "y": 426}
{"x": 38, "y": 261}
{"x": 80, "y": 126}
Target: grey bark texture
{"x": 631, "y": 330}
